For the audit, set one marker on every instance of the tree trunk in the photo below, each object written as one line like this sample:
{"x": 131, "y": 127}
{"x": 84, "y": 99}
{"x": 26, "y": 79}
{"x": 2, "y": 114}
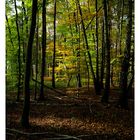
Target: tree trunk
{"x": 26, "y": 20}
{"x": 9, "y": 31}
{"x": 103, "y": 58}
{"x": 78, "y": 52}
{"x": 121, "y": 26}
{"x": 97, "y": 53}
{"x": 87, "y": 48}
{"x": 19, "y": 49}
{"x": 54, "y": 51}
{"x": 126, "y": 59}
{"x": 26, "y": 108}
{"x": 43, "y": 50}
{"x": 105, "y": 96}
{"x": 37, "y": 44}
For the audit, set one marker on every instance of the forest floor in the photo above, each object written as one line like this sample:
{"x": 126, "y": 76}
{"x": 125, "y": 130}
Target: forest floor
{"x": 70, "y": 114}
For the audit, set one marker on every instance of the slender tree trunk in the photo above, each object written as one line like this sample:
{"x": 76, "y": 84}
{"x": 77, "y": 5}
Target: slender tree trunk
{"x": 111, "y": 76}
{"x": 97, "y": 53}
{"x": 118, "y": 26}
{"x": 88, "y": 78}
{"x": 87, "y": 48}
{"x": 69, "y": 79}
{"x": 26, "y": 107}
{"x": 43, "y": 50}
{"x": 121, "y": 26}
{"x": 54, "y": 51}
{"x": 26, "y": 23}
{"x": 126, "y": 59}
{"x": 23, "y": 40}
{"x": 19, "y": 49}
{"x": 105, "y": 96}
{"x": 103, "y": 57}
{"x": 130, "y": 88}
{"x": 37, "y": 44}
{"x": 78, "y": 52}
{"x": 9, "y": 31}
{"x": 130, "y": 85}
{"x": 120, "y": 42}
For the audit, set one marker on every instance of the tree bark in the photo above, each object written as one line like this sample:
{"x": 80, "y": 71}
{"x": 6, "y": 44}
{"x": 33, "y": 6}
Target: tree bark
{"x": 87, "y": 48}
{"x": 54, "y": 51}
{"x": 43, "y": 50}
{"x": 121, "y": 27}
{"x": 126, "y": 59}
{"x": 78, "y": 52}
{"x": 9, "y": 31}
{"x": 103, "y": 57}
{"x": 19, "y": 49}
{"x": 26, "y": 23}
{"x": 36, "y": 61}
{"x": 97, "y": 53}
{"x": 26, "y": 108}
{"x": 105, "y": 96}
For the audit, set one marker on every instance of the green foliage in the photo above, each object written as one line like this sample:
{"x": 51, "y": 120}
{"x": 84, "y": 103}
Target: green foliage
{"x": 69, "y": 37}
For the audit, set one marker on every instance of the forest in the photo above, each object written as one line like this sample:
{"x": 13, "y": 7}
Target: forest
{"x": 69, "y": 69}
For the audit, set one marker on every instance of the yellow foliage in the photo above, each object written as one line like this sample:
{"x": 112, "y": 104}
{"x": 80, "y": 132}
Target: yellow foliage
{"x": 47, "y": 78}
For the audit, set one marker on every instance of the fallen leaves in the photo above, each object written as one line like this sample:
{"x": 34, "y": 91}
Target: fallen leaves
{"x": 72, "y": 116}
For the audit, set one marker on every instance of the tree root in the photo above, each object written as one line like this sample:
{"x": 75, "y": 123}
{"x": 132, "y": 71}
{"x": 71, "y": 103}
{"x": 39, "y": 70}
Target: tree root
{"x": 50, "y": 134}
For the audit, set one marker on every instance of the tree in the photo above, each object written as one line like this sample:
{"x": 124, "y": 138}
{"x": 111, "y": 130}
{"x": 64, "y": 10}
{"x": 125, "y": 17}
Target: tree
{"x": 36, "y": 54}
{"x": 105, "y": 96}
{"x": 43, "y": 49}
{"x": 54, "y": 50}
{"x": 25, "y": 17}
{"x": 19, "y": 49}
{"x": 77, "y": 29}
{"x": 9, "y": 31}
{"x": 87, "y": 48}
{"x": 103, "y": 57}
{"x": 26, "y": 108}
{"x": 97, "y": 53}
{"x": 125, "y": 62}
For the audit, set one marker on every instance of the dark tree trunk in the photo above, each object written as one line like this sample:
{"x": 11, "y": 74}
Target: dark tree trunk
{"x": 78, "y": 52}
{"x": 26, "y": 108}
{"x": 37, "y": 44}
{"x": 19, "y": 49}
{"x": 130, "y": 88}
{"x": 43, "y": 50}
{"x": 105, "y": 96}
{"x": 97, "y": 53}
{"x": 87, "y": 67}
{"x": 126, "y": 59}
{"x": 69, "y": 79}
{"x": 23, "y": 40}
{"x": 54, "y": 51}
{"x": 121, "y": 26}
{"x": 120, "y": 30}
{"x": 103, "y": 57}
{"x": 118, "y": 26}
{"x": 8, "y": 26}
{"x": 111, "y": 76}
{"x": 26, "y": 23}
{"x": 87, "y": 48}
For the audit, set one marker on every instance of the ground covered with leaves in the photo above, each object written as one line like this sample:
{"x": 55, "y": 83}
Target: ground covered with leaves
{"x": 70, "y": 114}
